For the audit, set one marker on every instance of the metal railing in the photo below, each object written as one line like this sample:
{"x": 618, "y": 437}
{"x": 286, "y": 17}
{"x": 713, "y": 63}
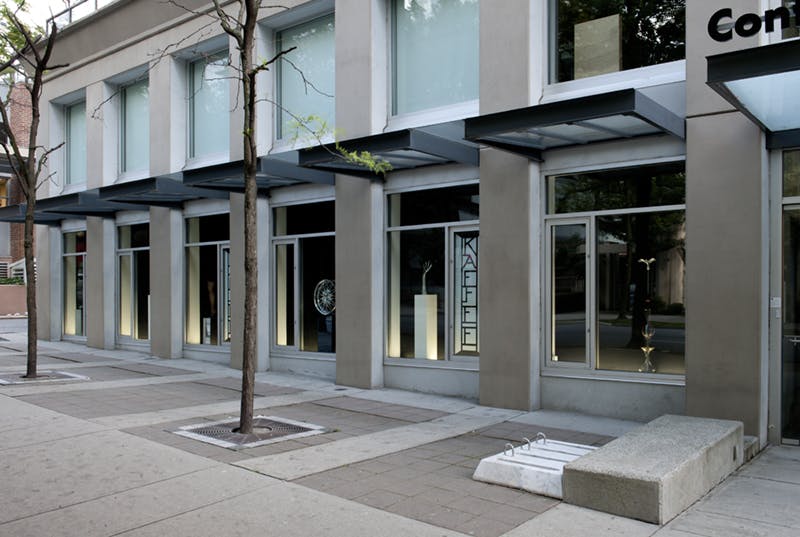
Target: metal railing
{"x": 77, "y": 9}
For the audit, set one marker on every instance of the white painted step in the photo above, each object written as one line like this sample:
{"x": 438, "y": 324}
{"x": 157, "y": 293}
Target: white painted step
{"x": 535, "y": 467}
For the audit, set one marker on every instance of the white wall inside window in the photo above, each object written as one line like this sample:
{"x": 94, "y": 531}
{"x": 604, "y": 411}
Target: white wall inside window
{"x": 135, "y": 127}
{"x": 209, "y": 107}
{"x": 76, "y": 143}
{"x": 435, "y": 53}
{"x": 306, "y": 75}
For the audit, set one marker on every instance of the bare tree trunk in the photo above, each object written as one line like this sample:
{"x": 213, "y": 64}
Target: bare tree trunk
{"x": 30, "y": 291}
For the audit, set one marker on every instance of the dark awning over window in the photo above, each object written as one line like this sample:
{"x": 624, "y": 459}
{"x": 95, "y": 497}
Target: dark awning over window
{"x": 158, "y": 191}
{"x": 404, "y": 149}
{"x": 16, "y": 214}
{"x": 595, "y": 118}
{"x": 763, "y": 83}
{"x": 86, "y": 203}
{"x": 273, "y": 171}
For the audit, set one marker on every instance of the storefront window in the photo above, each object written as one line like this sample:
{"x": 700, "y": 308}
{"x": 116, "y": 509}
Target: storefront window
{"x": 133, "y": 281}
{"x": 74, "y": 297}
{"x": 433, "y": 273}
{"x": 596, "y": 37}
{"x": 435, "y": 53}
{"x": 208, "y": 294}
{"x": 790, "y": 312}
{"x": 616, "y": 270}
{"x": 305, "y": 280}
{"x": 76, "y": 143}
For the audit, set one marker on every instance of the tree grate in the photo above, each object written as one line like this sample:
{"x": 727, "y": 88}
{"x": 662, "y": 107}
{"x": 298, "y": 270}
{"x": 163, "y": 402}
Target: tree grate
{"x": 266, "y": 430}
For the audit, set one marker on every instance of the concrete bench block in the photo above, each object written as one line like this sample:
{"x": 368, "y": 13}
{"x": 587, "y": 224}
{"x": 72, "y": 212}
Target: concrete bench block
{"x": 655, "y": 472}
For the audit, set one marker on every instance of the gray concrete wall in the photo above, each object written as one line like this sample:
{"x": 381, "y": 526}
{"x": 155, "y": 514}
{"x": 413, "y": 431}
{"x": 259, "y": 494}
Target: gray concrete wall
{"x": 166, "y": 282}
{"x": 99, "y": 283}
{"x": 44, "y": 303}
{"x": 508, "y": 367}
{"x": 726, "y": 235}
{"x": 451, "y": 381}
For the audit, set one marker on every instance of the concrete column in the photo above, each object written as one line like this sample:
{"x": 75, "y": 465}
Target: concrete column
{"x": 359, "y": 282}
{"x": 167, "y": 115}
{"x": 237, "y": 282}
{"x": 166, "y": 282}
{"x": 102, "y": 128}
{"x": 509, "y": 291}
{"x": 99, "y": 283}
{"x": 726, "y": 241}
{"x": 361, "y": 109}
{"x": 47, "y": 303}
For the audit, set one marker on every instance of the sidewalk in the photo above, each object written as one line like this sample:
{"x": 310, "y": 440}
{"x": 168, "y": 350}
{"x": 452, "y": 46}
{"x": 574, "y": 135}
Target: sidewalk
{"x": 99, "y": 457}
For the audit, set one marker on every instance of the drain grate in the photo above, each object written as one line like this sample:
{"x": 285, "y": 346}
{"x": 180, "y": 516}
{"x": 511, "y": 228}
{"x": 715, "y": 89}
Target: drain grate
{"x": 266, "y": 430}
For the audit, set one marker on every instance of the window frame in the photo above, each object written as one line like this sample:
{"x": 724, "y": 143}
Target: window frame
{"x": 69, "y": 181}
{"x": 122, "y": 172}
{"x": 588, "y": 369}
{"x": 193, "y": 159}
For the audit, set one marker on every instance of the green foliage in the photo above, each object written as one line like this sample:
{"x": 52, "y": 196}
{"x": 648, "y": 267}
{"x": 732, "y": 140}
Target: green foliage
{"x": 12, "y": 281}
{"x": 12, "y": 14}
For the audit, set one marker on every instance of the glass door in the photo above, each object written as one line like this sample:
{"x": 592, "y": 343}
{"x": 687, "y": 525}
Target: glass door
{"x": 285, "y": 293}
{"x": 790, "y": 326}
{"x": 225, "y": 292}
{"x": 464, "y": 277}
{"x": 567, "y": 278}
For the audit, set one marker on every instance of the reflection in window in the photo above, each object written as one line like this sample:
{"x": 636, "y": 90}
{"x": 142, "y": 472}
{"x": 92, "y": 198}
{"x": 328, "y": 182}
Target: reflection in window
{"x": 595, "y": 37}
{"x": 209, "y": 108}
{"x": 618, "y": 268}
{"x": 208, "y": 297}
{"x": 435, "y": 53}
{"x": 133, "y": 284}
{"x": 433, "y": 245}
{"x": 306, "y": 75}
{"x": 305, "y": 256}
{"x": 135, "y": 127}
{"x": 76, "y": 143}
{"x": 74, "y": 298}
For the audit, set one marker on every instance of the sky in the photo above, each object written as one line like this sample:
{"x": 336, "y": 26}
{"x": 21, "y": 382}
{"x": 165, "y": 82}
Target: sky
{"x": 40, "y": 9}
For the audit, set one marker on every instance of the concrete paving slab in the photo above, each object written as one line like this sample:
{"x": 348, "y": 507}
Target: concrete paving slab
{"x": 578, "y": 422}
{"x": 131, "y": 509}
{"x": 696, "y": 522}
{"x": 290, "y": 511}
{"x": 56, "y": 474}
{"x": 314, "y": 459}
{"x": 22, "y": 390}
{"x": 566, "y": 520}
{"x": 128, "y": 421}
{"x": 779, "y": 463}
{"x": 759, "y": 500}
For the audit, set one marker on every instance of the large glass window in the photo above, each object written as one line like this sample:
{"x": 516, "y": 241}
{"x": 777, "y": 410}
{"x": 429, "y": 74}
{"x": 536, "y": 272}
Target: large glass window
{"x": 433, "y": 273}
{"x": 208, "y": 271}
{"x": 75, "y": 116}
{"x": 595, "y": 37}
{"x": 74, "y": 298}
{"x": 435, "y": 53}
{"x": 306, "y": 76}
{"x": 790, "y": 314}
{"x": 304, "y": 299}
{"x": 133, "y": 281}
{"x": 135, "y": 127}
{"x": 209, "y": 107}
{"x": 616, "y": 269}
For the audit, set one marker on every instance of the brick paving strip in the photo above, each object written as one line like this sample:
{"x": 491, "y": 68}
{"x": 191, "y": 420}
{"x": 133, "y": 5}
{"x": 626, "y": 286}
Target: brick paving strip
{"x": 314, "y": 459}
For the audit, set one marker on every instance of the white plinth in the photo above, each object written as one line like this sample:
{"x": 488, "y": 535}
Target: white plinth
{"x": 425, "y": 342}
{"x": 537, "y": 468}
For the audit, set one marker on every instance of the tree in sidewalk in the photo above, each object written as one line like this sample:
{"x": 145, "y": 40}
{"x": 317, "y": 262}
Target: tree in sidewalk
{"x": 25, "y": 56}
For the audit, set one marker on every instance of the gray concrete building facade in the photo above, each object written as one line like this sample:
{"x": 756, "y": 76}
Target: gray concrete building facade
{"x": 574, "y": 219}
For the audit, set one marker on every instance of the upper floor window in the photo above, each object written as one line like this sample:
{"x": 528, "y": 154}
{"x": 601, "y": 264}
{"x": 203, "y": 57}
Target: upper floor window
{"x": 434, "y": 53}
{"x": 135, "y": 127}
{"x": 75, "y": 138}
{"x": 306, "y": 76}
{"x": 209, "y": 107}
{"x": 596, "y": 37}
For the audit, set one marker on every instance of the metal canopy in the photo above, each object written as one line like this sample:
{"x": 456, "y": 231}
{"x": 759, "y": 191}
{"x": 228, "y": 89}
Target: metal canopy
{"x": 16, "y": 214}
{"x": 273, "y": 171}
{"x": 165, "y": 191}
{"x": 87, "y": 203}
{"x": 404, "y": 149}
{"x": 762, "y": 83}
{"x": 596, "y": 118}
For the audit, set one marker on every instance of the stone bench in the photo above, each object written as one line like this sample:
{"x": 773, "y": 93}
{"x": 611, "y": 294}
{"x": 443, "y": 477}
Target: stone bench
{"x": 655, "y": 472}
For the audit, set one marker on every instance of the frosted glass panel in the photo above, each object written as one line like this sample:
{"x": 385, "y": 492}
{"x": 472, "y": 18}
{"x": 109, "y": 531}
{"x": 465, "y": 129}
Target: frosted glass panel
{"x": 135, "y": 127}
{"x": 435, "y": 53}
{"x": 76, "y": 143}
{"x": 209, "y": 106}
{"x": 306, "y": 75}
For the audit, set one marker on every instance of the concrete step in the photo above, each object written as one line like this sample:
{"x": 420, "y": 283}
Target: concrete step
{"x": 655, "y": 472}
{"x": 536, "y": 466}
